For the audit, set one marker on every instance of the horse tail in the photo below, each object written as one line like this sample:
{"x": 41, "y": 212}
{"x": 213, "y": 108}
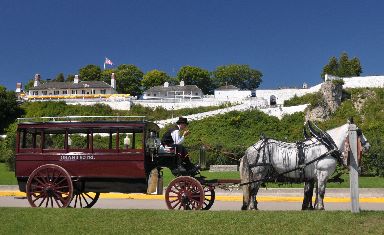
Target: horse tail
{"x": 245, "y": 178}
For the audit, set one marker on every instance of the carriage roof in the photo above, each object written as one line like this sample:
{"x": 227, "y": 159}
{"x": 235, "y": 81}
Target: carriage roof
{"x": 79, "y": 122}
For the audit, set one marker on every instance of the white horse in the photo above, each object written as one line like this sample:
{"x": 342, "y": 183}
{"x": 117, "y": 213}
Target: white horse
{"x": 268, "y": 157}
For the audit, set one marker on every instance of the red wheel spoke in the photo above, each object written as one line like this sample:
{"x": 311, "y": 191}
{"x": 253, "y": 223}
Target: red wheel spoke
{"x": 186, "y": 193}
{"x": 47, "y": 185}
{"x": 57, "y": 178}
{"x": 39, "y": 181}
{"x": 38, "y": 197}
{"x": 85, "y": 200}
{"x": 51, "y": 201}
{"x": 61, "y": 181}
{"x": 57, "y": 202}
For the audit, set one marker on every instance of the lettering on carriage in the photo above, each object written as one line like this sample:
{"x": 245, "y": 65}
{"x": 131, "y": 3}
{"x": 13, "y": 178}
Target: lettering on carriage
{"x": 76, "y": 156}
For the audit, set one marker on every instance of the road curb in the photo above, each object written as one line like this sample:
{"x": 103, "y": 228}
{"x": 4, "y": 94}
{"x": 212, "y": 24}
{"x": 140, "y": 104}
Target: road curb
{"x": 234, "y": 198}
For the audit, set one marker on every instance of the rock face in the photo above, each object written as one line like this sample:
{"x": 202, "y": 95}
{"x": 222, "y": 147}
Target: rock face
{"x": 331, "y": 93}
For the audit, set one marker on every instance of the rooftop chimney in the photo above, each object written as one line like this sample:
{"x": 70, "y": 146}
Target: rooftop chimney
{"x": 19, "y": 87}
{"x": 76, "y": 79}
{"x": 166, "y": 84}
{"x": 182, "y": 83}
{"x": 113, "y": 81}
{"x": 37, "y": 80}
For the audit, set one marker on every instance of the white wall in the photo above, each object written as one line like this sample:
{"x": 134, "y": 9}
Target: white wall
{"x": 230, "y": 95}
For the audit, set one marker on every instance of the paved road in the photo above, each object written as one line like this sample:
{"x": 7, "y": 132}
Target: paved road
{"x": 269, "y": 199}
{"x": 118, "y": 203}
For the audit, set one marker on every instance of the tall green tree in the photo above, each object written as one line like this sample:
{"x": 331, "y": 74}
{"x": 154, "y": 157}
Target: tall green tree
{"x": 90, "y": 72}
{"x": 154, "y": 78}
{"x": 9, "y": 109}
{"x": 342, "y": 67}
{"x": 59, "y": 78}
{"x": 128, "y": 79}
{"x": 70, "y": 78}
{"x": 192, "y": 75}
{"x": 106, "y": 75}
{"x": 239, "y": 75}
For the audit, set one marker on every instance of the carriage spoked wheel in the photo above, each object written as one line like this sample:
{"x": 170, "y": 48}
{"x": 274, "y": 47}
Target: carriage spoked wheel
{"x": 184, "y": 193}
{"x": 83, "y": 199}
{"x": 209, "y": 197}
{"x": 49, "y": 186}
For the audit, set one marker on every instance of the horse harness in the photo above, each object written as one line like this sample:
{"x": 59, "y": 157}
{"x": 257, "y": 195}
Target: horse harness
{"x": 325, "y": 140}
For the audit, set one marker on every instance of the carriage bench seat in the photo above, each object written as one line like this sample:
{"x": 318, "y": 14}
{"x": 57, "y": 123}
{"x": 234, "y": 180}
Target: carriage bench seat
{"x": 166, "y": 151}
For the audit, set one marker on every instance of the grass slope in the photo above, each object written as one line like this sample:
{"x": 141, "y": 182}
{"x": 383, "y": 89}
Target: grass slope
{"x": 101, "y": 221}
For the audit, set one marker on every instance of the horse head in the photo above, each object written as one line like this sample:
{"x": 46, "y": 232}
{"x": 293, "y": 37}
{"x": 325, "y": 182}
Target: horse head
{"x": 362, "y": 147}
{"x": 338, "y": 139}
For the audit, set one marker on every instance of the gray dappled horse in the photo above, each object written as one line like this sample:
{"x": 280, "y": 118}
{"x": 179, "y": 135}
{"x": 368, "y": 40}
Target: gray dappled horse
{"x": 269, "y": 156}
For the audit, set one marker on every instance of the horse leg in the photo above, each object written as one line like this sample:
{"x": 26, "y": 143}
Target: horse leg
{"x": 246, "y": 197}
{"x": 308, "y": 193}
{"x": 253, "y": 201}
{"x": 322, "y": 177}
{"x": 245, "y": 178}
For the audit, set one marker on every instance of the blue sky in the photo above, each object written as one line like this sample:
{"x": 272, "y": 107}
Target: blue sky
{"x": 288, "y": 41}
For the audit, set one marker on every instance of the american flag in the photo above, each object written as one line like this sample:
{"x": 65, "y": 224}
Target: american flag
{"x": 108, "y": 61}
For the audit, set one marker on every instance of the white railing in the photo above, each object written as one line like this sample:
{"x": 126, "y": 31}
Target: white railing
{"x": 82, "y": 118}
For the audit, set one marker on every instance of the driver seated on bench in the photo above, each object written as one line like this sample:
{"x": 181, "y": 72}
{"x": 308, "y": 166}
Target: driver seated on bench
{"x": 174, "y": 137}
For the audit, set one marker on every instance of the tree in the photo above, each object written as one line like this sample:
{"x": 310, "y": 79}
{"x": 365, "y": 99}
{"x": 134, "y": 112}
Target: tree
{"x": 29, "y": 84}
{"x": 128, "y": 79}
{"x": 196, "y": 76}
{"x": 106, "y": 75}
{"x": 241, "y": 76}
{"x": 70, "y": 78}
{"x": 59, "y": 78}
{"x": 90, "y": 72}
{"x": 154, "y": 78}
{"x": 9, "y": 109}
{"x": 342, "y": 67}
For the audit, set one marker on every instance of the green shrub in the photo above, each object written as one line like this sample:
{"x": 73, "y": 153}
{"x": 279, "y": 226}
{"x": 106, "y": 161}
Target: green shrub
{"x": 8, "y": 147}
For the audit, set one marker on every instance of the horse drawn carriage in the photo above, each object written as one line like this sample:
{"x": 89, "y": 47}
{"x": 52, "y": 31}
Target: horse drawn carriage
{"x": 69, "y": 161}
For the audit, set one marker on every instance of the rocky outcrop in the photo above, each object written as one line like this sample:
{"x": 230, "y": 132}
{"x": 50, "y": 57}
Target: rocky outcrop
{"x": 331, "y": 93}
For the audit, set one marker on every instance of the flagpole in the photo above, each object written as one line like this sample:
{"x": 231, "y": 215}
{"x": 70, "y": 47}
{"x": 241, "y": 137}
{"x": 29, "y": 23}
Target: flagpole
{"x": 104, "y": 66}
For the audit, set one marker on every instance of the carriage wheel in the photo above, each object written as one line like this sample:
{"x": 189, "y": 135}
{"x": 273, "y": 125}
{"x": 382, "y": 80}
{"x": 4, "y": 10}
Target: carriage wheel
{"x": 209, "y": 197}
{"x": 49, "y": 186}
{"x": 84, "y": 200}
{"x": 184, "y": 193}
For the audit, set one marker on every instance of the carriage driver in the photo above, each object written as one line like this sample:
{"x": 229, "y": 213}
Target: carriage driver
{"x": 174, "y": 138}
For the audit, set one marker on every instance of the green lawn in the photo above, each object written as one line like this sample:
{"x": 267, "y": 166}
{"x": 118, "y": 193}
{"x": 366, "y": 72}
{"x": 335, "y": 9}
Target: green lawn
{"x": 6, "y": 177}
{"x": 108, "y": 221}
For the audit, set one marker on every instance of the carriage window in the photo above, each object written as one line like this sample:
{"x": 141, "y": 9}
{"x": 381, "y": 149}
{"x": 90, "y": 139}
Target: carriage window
{"x": 130, "y": 139}
{"x": 30, "y": 139}
{"x": 78, "y": 141}
{"x": 104, "y": 139}
{"x": 54, "y": 140}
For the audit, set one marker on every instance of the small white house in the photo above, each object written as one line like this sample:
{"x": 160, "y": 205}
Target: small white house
{"x": 166, "y": 91}
{"x": 231, "y": 93}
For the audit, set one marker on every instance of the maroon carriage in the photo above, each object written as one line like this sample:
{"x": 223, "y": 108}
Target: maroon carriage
{"x": 69, "y": 161}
